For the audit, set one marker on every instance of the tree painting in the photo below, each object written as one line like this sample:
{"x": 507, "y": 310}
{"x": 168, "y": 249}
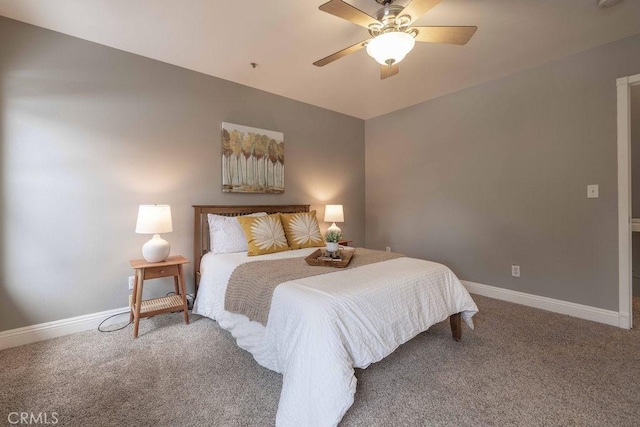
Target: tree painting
{"x": 252, "y": 160}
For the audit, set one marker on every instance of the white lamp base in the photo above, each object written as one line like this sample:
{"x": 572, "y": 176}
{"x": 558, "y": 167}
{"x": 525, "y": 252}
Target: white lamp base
{"x": 334, "y": 227}
{"x": 156, "y": 249}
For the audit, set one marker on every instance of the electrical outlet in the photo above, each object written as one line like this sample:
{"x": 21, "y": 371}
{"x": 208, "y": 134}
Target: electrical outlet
{"x": 515, "y": 270}
{"x": 388, "y": 248}
{"x": 131, "y": 280}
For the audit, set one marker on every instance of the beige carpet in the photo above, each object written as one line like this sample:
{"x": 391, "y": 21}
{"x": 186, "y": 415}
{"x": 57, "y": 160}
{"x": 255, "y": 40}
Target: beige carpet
{"x": 521, "y": 366}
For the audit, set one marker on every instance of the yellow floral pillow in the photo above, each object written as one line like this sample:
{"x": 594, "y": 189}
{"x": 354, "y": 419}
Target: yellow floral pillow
{"x": 264, "y": 234}
{"x": 302, "y": 230}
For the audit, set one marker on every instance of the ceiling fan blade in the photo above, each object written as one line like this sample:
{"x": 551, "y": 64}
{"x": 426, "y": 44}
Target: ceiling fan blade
{"x": 417, "y": 8}
{"x": 386, "y": 71}
{"x": 451, "y": 35}
{"x": 346, "y": 11}
{"x": 339, "y": 54}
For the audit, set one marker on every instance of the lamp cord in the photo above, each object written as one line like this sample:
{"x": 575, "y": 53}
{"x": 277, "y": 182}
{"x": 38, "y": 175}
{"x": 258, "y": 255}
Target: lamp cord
{"x": 189, "y": 305}
{"x": 110, "y": 317}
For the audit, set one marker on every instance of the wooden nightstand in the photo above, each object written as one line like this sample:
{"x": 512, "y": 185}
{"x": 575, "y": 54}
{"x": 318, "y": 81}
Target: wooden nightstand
{"x": 172, "y": 267}
{"x": 344, "y": 242}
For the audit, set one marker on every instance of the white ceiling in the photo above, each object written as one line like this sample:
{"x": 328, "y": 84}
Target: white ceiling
{"x": 284, "y": 37}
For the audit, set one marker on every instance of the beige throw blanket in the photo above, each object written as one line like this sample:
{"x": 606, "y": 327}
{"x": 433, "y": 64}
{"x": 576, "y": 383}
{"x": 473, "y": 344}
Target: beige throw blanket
{"x": 251, "y": 285}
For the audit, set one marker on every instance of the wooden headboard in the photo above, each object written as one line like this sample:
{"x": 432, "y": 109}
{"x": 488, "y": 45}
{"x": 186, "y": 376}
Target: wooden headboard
{"x": 201, "y": 244}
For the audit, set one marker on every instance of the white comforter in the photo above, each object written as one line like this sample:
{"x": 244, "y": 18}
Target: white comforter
{"x": 321, "y": 327}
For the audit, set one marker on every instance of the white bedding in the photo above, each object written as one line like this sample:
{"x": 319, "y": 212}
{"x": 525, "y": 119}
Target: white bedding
{"x": 321, "y": 327}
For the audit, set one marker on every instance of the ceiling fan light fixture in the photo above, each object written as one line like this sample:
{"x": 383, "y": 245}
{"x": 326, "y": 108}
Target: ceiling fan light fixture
{"x": 390, "y": 48}
{"x": 608, "y": 3}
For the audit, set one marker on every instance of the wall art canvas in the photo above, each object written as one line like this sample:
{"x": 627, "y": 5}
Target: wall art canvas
{"x": 252, "y": 160}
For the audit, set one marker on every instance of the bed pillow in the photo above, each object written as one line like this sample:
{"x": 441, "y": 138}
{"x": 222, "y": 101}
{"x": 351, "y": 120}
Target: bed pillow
{"x": 264, "y": 234}
{"x": 226, "y": 235}
{"x": 302, "y": 230}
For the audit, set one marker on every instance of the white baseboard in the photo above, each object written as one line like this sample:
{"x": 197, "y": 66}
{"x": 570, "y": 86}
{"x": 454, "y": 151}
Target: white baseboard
{"x": 57, "y": 328}
{"x": 600, "y": 315}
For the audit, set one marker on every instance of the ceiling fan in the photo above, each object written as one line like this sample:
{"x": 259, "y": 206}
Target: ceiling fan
{"x": 392, "y": 35}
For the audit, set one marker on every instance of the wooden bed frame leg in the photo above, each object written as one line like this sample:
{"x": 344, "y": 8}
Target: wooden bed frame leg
{"x": 456, "y": 326}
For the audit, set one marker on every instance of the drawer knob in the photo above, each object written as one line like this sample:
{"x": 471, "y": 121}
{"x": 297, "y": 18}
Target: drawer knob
{"x": 162, "y": 271}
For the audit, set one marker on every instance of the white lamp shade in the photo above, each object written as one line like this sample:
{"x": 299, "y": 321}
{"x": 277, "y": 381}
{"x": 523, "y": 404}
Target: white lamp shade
{"x": 392, "y": 46}
{"x": 333, "y": 213}
{"x": 154, "y": 219}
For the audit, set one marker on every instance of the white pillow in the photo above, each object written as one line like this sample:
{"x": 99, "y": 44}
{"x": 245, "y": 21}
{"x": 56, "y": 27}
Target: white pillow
{"x": 226, "y": 235}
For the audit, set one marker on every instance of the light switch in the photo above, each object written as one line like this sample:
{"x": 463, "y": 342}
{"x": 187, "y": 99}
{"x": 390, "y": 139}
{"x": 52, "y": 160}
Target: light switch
{"x": 592, "y": 191}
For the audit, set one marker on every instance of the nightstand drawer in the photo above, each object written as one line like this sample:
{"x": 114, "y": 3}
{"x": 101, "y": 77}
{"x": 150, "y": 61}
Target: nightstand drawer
{"x": 162, "y": 271}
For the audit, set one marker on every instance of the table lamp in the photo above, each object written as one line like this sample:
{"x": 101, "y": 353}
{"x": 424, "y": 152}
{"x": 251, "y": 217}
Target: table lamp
{"x": 155, "y": 219}
{"x": 333, "y": 214}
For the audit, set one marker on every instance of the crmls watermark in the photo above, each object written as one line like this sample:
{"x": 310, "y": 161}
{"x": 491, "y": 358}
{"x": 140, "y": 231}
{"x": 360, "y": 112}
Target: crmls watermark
{"x": 33, "y": 418}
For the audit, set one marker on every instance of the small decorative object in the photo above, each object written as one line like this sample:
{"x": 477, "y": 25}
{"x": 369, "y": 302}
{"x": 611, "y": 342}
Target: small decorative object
{"x": 332, "y": 238}
{"x": 320, "y": 258}
{"x": 332, "y": 247}
{"x": 330, "y": 256}
{"x": 155, "y": 219}
{"x": 252, "y": 160}
{"x": 334, "y": 213}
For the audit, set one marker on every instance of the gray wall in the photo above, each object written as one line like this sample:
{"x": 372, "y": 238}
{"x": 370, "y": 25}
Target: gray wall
{"x": 90, "y": 132}
{"x": 496, "y": 175}
{"x": 635, "y": 184}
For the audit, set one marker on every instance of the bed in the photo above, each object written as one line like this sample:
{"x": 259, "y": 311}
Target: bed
{"x": 320, "y": 328}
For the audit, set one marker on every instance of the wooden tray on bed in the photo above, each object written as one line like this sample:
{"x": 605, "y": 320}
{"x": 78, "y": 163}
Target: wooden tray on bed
{"x": 345, "y": 254}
